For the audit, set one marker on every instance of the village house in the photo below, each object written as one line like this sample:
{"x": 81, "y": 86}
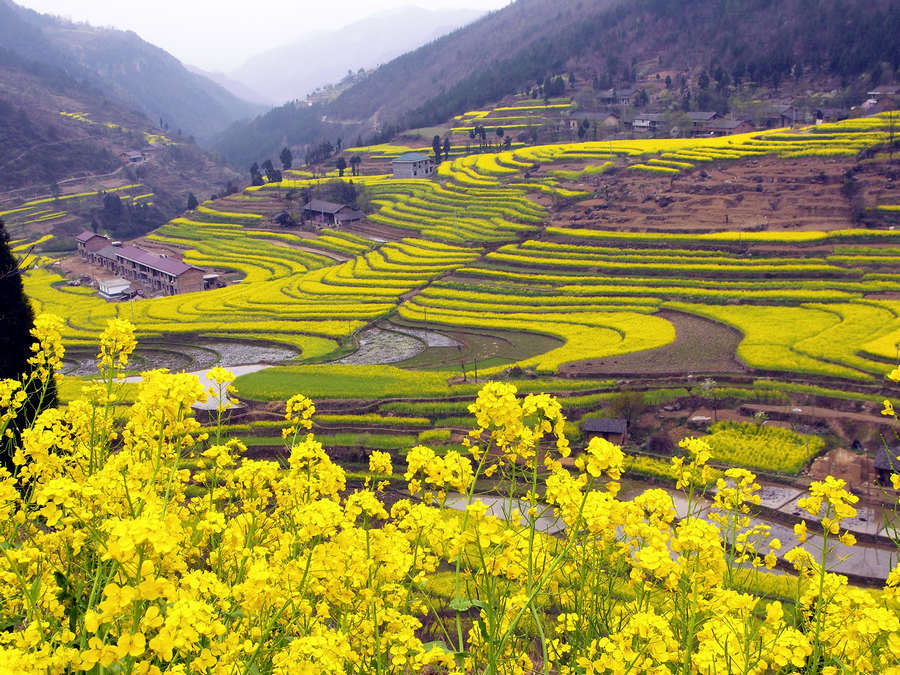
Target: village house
{"x": 114, "y": 288}
{"x": 156, "y": 273}
{"x": 328, "y": 213}
{"x": 413, "y": 165}
{"x": 888, "y": 90}
{"x": 624, "y": 96}
{"x": 606, "y": 96}
{"x": 646, "y": 122}
{"x": 89, "y": 242}
{"x": 604, "y": 119}
{"x": 881, "y": 99}
{"x": 832, "y": 115}
{"x": 885, "y": 463}
{"x": 726, "y": 127}
{"x": 613, "y": 429}
{"x": 132, "y": 157}
{"x": 700, "y": 120}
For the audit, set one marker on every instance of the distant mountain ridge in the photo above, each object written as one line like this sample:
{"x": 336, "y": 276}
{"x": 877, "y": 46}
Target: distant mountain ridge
{"x": 124, "y": 67}
{"x": 325, "y": 57}
{"x": 828, "y": 44}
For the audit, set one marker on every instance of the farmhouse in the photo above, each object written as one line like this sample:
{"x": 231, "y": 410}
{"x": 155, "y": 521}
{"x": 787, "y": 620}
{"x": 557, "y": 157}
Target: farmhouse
{"x": 611, "y": 120}
{"x": 114, "y": 288}
{"x": 132, "y": 157}
{"x": 890, "y": 90}
{"x": 329, "y": 213}
{"x": 606, "y": 96}
{"x": 885, "y": 463}
{"x": 725, "y": 127}
{"x": 613, "y": 429}
{"x": 412, "y": 165}
{"x": 606, "y": 119}
{"x": 624, "y": 96}
{"x": 646, "y": 122}
{"x": 157, "y": 273}
{"x": 90, "y": 242}
{"x": 831, "y": 115}
{"x": 700, "y": 119}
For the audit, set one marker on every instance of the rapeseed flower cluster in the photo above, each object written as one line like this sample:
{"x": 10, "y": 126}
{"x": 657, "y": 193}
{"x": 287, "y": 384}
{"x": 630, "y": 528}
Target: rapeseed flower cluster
{"x": 140, "y": 541}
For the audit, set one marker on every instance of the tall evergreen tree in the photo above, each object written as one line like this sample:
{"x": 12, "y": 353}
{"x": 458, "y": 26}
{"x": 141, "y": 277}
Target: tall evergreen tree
{"x": 16, "y": 322}
{"x": 436, "y": 146}
{"x": 287, "y": 158}
{"x": 16, "y": 316}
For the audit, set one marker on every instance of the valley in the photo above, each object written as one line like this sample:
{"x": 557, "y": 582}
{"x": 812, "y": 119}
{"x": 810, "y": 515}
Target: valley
{"x": 567, "y": 342}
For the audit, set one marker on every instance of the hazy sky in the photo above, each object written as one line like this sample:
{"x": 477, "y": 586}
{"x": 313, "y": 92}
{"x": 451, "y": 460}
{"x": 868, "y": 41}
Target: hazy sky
{"x": 221, "y": 34}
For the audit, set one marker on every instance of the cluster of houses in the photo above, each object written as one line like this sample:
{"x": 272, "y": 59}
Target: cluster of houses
{"x": 705, "y": 123}
{"x": 882, "y": 99}
{"x": 619, "y": 114}
{"x": 135, "y": 270}
{"x": 701, "y": 124}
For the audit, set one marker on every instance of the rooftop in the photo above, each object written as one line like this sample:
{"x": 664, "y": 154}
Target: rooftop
{"x": 108, "y": 252}
{"x": 322, "y": 206}
{"x": 886, "y": 460}
{"x": 171, "y": 266}
{"x": 605, "y": 425}
{"x": 701, "y": 115}
{"x": 726, "y": 124}
{"x": 411, "y": 157}
{"x": 351, "y": 214}
{"x": 87, "y": 235}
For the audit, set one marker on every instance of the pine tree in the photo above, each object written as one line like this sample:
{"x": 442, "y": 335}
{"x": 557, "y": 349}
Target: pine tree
{"x": 16, "y": 316}
{"x": 16, "y": 322}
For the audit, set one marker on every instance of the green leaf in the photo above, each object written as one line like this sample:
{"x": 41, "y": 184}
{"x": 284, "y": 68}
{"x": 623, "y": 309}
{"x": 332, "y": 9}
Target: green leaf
{"x": 436, "y": 644}
{"x": 465, "y": 604}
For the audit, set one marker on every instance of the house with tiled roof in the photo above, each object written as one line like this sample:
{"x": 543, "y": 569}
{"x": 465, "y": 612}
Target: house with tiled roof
{"x": 87, "y": 242}
{"x": 154, "y": 272}
{"x": 726, "y": 127}
{"x": 329, "y": 213}
{"x": 158, "y": 272}
{"x": 413, "y": 165}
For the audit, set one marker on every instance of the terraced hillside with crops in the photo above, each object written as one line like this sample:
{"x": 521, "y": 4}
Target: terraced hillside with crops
{"x": 597, "y": 271}
{"x": 522, "y": 243}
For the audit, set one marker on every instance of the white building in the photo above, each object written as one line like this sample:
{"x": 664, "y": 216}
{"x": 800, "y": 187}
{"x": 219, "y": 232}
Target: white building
{"x": 413, "y": 165}
{"x": 114, "y": 288}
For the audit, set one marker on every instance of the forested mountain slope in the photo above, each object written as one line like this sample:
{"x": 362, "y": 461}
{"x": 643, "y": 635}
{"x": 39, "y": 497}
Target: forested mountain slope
{"x": 124, "y": 67}
{"x": 767, "y": 45}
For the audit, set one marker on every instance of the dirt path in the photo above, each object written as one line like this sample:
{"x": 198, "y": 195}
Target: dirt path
{"x": 11, "y": 194}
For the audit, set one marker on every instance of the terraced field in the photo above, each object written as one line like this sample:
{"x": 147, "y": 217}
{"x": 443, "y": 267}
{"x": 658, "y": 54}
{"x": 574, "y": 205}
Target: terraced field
{"x": 483, "y": 250}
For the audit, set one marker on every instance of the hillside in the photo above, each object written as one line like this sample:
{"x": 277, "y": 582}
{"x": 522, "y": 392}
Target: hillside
{"x": 122, "y": 66}
{"x": 364, "y": 44}
{"x": 747, "y": 50}
{"x": 62, "y": 138}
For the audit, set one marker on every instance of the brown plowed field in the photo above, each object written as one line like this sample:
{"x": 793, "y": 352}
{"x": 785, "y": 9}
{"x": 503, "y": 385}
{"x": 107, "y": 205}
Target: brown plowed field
{"x": 701, "y": 346}
{"x": 750, "y": 195}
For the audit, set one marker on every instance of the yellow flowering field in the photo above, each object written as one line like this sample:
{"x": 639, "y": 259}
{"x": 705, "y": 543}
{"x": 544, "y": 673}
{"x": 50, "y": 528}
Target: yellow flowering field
{"x": 762, "y": 446}
{"x": 143, "y": 542}
{"x": 491, "y": 216}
